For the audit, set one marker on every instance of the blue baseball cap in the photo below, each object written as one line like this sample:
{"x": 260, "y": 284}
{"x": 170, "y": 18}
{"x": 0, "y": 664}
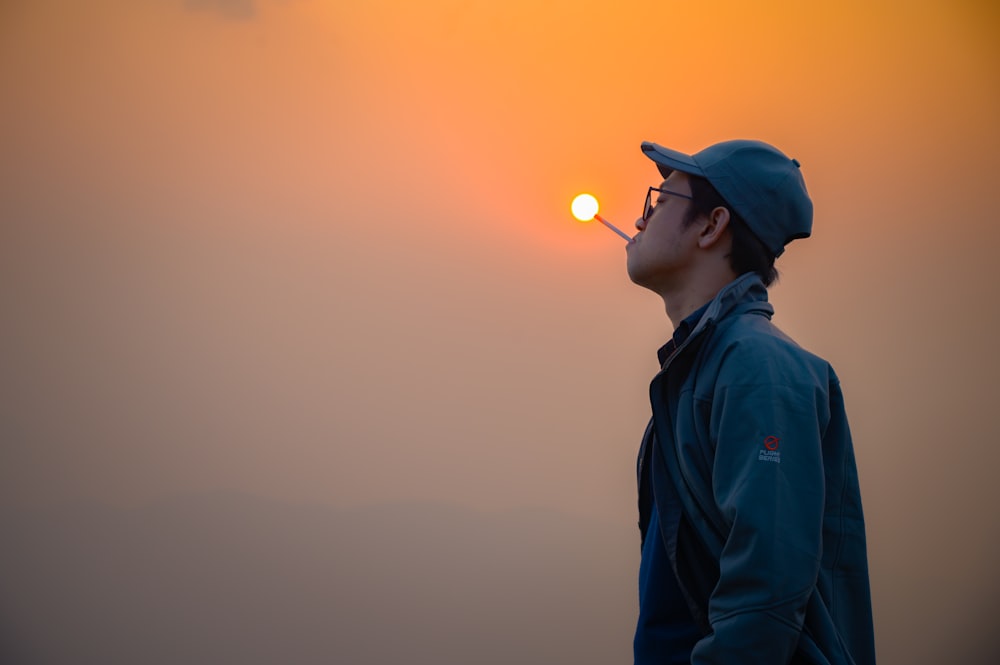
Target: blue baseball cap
{"x": 762, "y": 185}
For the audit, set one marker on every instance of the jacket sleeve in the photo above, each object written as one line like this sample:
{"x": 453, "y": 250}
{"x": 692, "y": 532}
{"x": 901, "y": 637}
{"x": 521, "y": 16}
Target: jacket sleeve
{"x": 767, "y": 417}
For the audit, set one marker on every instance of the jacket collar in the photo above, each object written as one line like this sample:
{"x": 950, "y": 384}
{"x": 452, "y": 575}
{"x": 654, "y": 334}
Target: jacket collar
{"x": 746, "y": 292}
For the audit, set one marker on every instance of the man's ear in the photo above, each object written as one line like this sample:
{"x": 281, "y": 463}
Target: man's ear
{"x": 714, "y": 228}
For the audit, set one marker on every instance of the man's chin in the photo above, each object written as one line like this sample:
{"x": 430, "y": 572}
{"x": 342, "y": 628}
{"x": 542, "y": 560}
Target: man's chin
{"x": 636, "y": 273}
{"x": 639, "y": 279}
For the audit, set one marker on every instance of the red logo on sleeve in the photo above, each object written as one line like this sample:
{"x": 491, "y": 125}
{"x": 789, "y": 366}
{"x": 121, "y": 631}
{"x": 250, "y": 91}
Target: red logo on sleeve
{"x": 769, "y": 453}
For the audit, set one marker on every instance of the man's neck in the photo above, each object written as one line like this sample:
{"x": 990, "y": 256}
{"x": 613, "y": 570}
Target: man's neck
{"x": 683, "y": 301}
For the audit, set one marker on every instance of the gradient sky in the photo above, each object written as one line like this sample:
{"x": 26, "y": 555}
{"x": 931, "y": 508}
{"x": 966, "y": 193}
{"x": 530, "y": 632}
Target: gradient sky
{"x": 319, "y": 254}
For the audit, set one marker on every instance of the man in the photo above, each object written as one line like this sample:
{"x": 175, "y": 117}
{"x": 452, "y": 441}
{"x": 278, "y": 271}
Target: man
{"x": 753, "y": 540}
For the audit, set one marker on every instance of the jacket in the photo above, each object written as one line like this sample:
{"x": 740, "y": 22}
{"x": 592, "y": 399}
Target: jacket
{"x": 750, "y": 434}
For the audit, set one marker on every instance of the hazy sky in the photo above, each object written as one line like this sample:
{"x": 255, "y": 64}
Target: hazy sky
{"x": 310, "y": 265}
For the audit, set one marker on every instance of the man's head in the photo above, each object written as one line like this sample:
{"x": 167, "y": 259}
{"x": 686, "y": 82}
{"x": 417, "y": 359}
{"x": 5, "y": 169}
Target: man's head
{"x": 757, "y": 182}
{"x": 722, "y": 212}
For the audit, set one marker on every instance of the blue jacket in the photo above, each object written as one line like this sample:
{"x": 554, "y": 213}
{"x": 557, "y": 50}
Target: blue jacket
{"x": 749, "y": 433}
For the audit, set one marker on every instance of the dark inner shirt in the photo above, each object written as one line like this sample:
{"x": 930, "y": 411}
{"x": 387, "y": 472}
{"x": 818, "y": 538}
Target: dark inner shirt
{"x": 666, "y": 632}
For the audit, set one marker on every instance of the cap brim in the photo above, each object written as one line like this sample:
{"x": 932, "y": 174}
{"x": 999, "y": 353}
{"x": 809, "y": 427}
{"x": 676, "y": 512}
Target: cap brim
{"x": 670, "y": 160}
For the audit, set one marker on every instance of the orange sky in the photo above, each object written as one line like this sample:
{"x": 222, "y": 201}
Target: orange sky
{"x": 322, "y": 254}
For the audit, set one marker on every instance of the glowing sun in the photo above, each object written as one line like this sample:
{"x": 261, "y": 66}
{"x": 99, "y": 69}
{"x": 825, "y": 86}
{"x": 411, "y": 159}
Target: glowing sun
{"x": 584, "y": 207}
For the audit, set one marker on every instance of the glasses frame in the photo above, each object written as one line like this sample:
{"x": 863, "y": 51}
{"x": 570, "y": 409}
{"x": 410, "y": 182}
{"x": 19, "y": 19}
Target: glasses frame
{"x": 648, "y": 208}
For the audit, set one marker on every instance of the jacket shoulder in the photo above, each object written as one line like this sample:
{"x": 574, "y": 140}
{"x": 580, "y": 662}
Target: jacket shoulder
{"x": 749, "y": 348}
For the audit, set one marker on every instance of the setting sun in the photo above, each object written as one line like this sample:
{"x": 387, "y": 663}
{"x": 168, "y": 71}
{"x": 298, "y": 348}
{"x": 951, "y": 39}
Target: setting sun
{"x": 584, "y": 207}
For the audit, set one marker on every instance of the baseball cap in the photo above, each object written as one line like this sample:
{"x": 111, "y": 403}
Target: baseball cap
{"x": 763, "y": 186}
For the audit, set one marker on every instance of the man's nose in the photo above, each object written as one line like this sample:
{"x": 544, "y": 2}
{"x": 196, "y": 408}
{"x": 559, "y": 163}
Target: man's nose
{"x": 640, "y": 223}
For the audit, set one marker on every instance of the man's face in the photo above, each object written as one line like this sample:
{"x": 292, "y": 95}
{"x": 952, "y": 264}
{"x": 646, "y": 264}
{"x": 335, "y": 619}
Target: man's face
{"x": 664, "y": 246}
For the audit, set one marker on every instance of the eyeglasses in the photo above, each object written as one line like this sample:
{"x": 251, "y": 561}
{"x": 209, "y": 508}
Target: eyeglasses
{"x": 647, "y": 210}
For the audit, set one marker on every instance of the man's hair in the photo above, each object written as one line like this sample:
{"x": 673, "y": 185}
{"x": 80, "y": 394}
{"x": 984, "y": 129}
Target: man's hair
{"x": 748, "y": 253}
